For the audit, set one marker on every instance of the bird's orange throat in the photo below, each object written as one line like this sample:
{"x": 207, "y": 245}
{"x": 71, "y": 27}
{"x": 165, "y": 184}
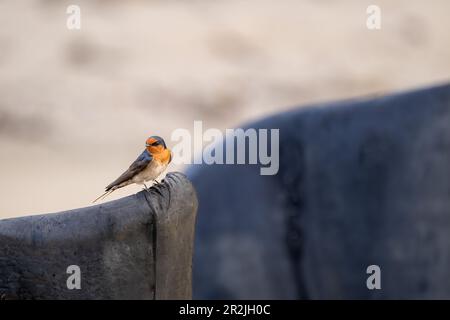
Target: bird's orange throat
{"x": 160, "y": 154}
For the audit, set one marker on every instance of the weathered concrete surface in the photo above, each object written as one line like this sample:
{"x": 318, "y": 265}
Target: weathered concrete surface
{"x": 138, "y": 247}
{"x": 360, "y": 183}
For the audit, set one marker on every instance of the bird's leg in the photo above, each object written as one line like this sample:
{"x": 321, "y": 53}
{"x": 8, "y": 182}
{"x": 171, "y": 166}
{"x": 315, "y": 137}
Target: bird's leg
{"x": 145, "y": 187}
{"x": 156, "y": 181}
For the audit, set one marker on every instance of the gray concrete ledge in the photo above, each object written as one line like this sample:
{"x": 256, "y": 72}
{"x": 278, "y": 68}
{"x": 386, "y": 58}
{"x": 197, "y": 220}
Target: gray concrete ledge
{"x": 138, "y": 247}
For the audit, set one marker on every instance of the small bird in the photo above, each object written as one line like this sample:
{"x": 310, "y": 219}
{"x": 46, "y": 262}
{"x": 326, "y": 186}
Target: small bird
{"x": 148, "y": 166}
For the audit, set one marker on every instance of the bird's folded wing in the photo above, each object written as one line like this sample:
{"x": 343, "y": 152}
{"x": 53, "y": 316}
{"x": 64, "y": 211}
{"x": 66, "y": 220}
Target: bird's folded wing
{"x": 137, "y": 166}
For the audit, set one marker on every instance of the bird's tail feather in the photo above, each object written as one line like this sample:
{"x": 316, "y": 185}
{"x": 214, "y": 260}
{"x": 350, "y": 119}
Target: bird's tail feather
{"x": 108, "y": 192}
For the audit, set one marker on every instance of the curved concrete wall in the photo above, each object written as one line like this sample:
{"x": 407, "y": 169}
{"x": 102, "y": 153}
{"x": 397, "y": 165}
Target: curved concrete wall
{"x": 138, "y": 247}
{"x": 360, "y": 183}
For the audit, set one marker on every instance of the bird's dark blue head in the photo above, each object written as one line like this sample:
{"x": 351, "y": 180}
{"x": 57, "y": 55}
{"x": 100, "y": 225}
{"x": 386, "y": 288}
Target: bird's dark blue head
{"x": 155, "y": 141}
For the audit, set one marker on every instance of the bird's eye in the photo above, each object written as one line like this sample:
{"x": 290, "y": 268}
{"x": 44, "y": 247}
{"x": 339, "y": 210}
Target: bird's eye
{"x": 155, "y": 143}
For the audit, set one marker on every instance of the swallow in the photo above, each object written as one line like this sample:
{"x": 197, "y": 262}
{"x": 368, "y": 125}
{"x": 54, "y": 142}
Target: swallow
{"x": 148, "y": 166}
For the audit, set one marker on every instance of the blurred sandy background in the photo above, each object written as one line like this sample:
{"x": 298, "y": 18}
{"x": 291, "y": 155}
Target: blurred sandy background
{"x": 77, "y": 106}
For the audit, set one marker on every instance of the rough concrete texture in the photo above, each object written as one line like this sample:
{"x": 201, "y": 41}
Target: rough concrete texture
{"x": 360, "y": 183}
{"x": 138, "y": 247}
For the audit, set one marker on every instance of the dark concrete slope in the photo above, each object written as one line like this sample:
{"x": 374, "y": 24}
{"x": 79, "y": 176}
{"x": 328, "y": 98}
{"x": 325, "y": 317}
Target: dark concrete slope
{"x": 360, "y": 182}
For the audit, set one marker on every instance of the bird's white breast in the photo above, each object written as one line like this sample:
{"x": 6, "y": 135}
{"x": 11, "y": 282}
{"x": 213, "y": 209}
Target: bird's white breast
{"x": 151, "y": 172}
